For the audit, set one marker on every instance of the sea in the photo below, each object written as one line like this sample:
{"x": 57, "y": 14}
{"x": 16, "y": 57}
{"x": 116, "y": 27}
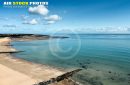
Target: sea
{"x": 103, "y": 58}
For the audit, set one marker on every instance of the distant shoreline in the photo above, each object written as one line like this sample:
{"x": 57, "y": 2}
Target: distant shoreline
{"x": 30, "y": 36}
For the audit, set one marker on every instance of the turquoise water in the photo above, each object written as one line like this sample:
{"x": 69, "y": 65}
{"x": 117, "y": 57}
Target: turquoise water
{"x": 98, "y": 53}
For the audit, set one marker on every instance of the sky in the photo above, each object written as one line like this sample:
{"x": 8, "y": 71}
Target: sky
{"x": 67, "y": 16}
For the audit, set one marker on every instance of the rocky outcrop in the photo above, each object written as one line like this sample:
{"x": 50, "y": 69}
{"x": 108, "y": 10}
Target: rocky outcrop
{"x": 61, "y": 78}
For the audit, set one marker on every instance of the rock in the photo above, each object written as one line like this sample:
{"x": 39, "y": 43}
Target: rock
{"x": 109, "y": 72}
{"x": 84, "y": 67}
{"x": 112, "y": 78}
{"x": 88, "y": 63}
{"x": 59, "y": 78}
{"x": 97, "y": 70}
{"x": 80, "y": 64}
{"x": 128, "y": 74}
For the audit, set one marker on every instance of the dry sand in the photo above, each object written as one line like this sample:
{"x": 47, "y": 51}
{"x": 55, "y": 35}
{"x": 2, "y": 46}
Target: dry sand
{"x": 11, "y": 77}
{"x": 19, "y": 72}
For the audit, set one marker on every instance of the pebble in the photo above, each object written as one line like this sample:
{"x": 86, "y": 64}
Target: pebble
{"x": 128, "y": 74}
{"x": 112, "y": 78}
{"x": 109, "y": 72}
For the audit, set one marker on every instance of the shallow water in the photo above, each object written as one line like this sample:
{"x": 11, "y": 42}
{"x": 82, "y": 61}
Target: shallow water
{"x": 107, "y": 57}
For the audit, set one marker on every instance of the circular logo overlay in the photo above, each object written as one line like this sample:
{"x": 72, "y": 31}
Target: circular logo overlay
{"x": 64, "y": 45}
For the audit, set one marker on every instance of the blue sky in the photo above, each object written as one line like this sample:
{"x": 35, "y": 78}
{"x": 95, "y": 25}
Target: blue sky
{"x": 82, "y": 16}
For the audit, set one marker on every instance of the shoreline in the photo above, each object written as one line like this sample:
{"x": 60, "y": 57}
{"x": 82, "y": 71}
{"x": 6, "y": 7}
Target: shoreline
{"x": 27, "y": 70}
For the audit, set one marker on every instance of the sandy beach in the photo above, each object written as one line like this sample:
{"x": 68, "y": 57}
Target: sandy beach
{"x": 15, "y": 71}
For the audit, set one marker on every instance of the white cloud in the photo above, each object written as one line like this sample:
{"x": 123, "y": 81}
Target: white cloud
{"x": 50, "y": 22}
{"x": 53, "y": 18}
{"x": 40, "y": 9}
{"x": 32, "y": 22}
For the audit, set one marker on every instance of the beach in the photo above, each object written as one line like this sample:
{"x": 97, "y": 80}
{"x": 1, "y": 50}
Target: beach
{"x": 14, "y": 71}
{"x": 101, "y": 64}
